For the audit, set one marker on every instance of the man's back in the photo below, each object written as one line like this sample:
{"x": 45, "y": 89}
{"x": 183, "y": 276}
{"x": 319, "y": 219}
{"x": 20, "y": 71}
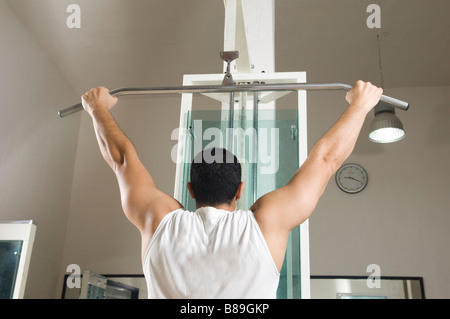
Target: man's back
{"x": 210, "y": 253}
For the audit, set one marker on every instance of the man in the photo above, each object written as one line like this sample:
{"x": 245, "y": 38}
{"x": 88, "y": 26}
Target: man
{"x": 217, "y": 252}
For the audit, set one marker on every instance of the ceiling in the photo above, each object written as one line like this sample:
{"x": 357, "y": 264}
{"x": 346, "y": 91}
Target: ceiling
{"x": 154, "y": 42}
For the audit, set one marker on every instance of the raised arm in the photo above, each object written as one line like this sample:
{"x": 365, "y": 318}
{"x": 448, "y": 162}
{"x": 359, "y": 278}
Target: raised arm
{"x": 142, "y": 202}
{"x": 281, "y": 210}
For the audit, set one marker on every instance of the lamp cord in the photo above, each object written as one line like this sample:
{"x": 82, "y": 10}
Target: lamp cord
{"x": 379, "y": 61}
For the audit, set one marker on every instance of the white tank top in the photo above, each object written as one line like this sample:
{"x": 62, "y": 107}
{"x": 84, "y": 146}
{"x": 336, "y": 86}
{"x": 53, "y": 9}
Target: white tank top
{"x": 210, "y": 253}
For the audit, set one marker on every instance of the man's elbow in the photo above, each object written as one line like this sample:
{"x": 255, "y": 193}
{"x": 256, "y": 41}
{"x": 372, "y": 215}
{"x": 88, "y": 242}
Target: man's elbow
{"x": 329, "y": 158}
{"x": 332, "y": 163}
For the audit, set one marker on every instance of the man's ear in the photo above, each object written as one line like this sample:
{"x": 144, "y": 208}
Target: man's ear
{"x": 239, "y": 191}
{"x": 191, "y": 191}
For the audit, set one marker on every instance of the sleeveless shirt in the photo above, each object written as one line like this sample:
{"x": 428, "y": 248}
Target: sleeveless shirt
{"x": 209, "y": 253}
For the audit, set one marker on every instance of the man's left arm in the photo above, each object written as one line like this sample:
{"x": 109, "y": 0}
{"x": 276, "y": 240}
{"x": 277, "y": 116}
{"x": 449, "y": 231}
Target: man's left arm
{"x": 280, "y": 211}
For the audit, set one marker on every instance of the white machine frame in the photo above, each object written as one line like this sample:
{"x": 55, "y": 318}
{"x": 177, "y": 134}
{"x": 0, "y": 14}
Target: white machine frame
{"x": 267, "y": 100}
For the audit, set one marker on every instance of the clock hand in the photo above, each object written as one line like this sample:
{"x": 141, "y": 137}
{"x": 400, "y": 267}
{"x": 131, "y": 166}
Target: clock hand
{"x": 349, "y": 177}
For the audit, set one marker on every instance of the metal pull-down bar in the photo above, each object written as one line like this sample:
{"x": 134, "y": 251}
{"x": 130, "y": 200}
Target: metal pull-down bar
{"x": 234, "y": 88}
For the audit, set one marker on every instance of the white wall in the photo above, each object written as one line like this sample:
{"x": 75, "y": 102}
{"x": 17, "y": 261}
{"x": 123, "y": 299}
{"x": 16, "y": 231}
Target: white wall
{"x": 37, "y": 149}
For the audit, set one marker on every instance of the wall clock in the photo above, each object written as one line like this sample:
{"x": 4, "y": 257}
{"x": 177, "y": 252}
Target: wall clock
{"x": 351, "y": 178}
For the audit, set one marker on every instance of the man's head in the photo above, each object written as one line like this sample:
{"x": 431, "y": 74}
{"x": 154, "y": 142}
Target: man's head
{"x": 215, "y": 177}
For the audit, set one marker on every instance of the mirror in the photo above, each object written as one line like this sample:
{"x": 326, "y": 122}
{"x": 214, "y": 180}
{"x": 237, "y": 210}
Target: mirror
{"x": 363, "y": 287}
{"x": 95, "y": 286}
{"x": 322, "y": 287}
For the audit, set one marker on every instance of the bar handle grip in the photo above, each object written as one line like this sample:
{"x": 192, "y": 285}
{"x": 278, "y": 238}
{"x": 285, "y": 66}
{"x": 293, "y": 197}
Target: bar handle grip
{"x": 395, "y": 102}
{"x": 402, "y": 105}
{"x": 79, "y": 107}
{"x": 71, "y": 110}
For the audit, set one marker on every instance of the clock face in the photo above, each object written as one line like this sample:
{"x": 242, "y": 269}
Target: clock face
{"x": 351, "y": 178}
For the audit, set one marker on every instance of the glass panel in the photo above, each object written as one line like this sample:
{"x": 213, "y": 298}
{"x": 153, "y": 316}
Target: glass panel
{"x": 266, "y": 144}
{"x": 96, "y": 292}
{"x": 107, "y": 287}
{"x": 117, "y": 290}
{"x": 93, "y": 286}
{"x": 9, "y": 263}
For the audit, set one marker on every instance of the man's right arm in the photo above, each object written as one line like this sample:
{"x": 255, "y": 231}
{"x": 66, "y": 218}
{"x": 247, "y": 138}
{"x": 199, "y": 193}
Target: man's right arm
{"x": 143, "y": 203}
{"x": 283, "y": 209}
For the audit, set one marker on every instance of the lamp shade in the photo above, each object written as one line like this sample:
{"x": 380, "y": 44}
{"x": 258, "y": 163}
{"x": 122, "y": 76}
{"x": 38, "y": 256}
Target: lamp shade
{"x": 386, "y": 128}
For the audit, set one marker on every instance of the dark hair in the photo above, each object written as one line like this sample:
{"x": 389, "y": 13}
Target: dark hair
{"x": 215, "y": 176}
